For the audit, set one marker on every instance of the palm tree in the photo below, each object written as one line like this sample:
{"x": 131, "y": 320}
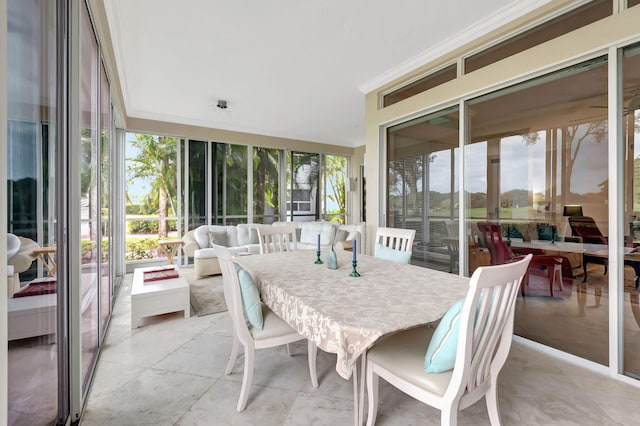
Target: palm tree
{"x": 157, "y": 160}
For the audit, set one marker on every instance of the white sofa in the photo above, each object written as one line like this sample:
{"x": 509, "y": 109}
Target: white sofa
{"x": 244, "y": 238}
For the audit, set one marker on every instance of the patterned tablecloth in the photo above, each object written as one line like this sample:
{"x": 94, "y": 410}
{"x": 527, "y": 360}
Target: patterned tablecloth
{"x": 346, "y": 315}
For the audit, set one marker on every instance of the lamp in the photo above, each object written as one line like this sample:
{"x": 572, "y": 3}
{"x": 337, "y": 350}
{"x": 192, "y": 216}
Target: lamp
{"x": 572, "y": 210}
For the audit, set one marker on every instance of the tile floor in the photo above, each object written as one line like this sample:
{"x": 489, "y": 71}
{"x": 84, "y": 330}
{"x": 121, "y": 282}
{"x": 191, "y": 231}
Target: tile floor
{"x": 170, "y": 371}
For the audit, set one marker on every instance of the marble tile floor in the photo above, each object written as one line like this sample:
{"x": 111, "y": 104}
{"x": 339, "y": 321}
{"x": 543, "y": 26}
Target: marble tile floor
{"x": 170, "y": 371}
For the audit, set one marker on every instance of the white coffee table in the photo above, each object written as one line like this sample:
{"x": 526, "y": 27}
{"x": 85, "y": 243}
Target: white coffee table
{"x": 157, "y": 297}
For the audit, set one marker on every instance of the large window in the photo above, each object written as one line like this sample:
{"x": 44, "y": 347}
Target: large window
{"x": 266, "y": 185}
{"x": 152, "y": 204}
{"x": 34, "y": 380}
{"x": 421, "y": 186}
{"x": 545, "y": 145}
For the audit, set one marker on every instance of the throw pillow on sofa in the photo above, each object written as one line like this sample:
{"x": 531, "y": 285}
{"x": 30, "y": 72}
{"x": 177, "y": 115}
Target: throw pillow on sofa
{"x": 218, "y": 238}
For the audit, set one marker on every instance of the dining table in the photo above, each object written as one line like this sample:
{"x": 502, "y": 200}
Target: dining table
{"x": 345, "y": 314}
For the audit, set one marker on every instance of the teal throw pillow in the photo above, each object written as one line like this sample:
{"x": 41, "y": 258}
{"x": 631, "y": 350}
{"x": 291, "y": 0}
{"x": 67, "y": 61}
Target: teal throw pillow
{"x": 251, "y": 304}
{"x": 441, "y": 352}
{"x": 387, "y": 253}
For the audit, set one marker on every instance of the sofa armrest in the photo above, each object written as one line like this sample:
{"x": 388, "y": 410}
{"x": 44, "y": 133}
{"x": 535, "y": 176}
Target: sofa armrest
{"x": 190, "y": 244}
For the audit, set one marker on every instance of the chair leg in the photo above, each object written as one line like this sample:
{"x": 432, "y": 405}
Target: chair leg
{"x": 312, "y": 351}
{"x": 233, "y": 356}
{"x": 491, "y": 399}
{"x": 449, "y": 415}
{"x": 372, "y": 392}
{"x": 247, "y": 378}
{"x": 288, "y": 349}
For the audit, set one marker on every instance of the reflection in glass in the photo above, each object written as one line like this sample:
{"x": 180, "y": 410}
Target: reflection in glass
{"x": 421, "y": 186}
{"x": 631, "y": 132}
{"x": 89, "y": 188}
{"x": 33, "y": 351}
{"x": 545, "y": 145}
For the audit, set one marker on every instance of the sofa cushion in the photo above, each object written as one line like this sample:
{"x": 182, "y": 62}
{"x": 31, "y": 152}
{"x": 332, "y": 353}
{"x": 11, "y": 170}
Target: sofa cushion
{"x": 310, "y": 230}
{"x": 247, "y": 233}
{"x": 218, "y": 238}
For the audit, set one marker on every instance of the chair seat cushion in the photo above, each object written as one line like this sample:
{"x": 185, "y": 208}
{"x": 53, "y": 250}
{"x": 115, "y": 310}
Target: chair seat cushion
{"x": 274, "y": 326}
{"x": 387, "y": 253}
{"x": 402, "y": 354}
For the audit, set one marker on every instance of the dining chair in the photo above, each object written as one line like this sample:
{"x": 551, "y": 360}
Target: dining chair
{"x": 550, "y": 267}
{"x": 274, "y": 239}
{"x": 274, "y": 331}
{"x": 396, "y": 238}
{"x": 452, "y": 244}
{"x": 477, "y": 339}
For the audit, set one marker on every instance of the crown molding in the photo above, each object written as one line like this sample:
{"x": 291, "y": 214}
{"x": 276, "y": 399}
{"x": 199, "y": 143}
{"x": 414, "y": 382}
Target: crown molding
{"x": 508, "y": 13}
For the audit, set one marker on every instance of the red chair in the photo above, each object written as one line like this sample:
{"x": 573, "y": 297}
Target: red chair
{"x": 551, "y": 267}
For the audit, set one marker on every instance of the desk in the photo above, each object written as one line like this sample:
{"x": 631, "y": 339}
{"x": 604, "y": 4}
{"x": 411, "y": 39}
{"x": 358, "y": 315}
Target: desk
{"x": 596, "y": 253}
{"x": 346, "y": 315}
{"x": 169, "y": 249}
{"x": 47, "y": 256}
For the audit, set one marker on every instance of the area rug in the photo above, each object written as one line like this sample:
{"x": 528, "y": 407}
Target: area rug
{"x": 207, "y": 294}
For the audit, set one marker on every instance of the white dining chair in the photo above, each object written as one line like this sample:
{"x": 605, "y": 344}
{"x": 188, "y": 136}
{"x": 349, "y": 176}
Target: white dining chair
{"x": 274, "y": 332}
{"x": 275, "y": 239}
{"x": 396, "y": 238}
{"x": 468, "y": 364}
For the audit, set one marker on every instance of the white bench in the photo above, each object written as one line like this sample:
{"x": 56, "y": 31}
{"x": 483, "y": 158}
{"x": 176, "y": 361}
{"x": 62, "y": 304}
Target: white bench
{"x": 157, "y": 297}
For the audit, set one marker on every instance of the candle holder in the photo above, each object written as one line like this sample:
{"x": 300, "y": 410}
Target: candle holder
{"x": 318, "y": 261}
{"x": 354, "y": 273}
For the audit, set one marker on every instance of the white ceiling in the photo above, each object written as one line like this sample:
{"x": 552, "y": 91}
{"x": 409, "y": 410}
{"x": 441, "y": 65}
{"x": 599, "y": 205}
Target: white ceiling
{"x": 287, "y": 68}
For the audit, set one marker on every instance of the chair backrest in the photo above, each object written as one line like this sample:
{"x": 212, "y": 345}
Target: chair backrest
{"x": 486, "y": 328}
{"x": 275, "y": 239}
{"x": 232, "y": 293}
{"x": 491, "y": 234}
{"x": 396, "y": 238}
{"x": 586, "y": 227}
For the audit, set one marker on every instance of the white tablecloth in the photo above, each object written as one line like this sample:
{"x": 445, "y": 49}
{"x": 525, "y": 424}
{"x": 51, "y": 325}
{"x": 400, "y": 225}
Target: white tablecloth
{"x": 346, "y": 315}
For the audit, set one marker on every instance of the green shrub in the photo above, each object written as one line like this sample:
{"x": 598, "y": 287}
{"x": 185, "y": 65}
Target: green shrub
{"x": 143, "y": 226}
{"x": 140, "y": 248}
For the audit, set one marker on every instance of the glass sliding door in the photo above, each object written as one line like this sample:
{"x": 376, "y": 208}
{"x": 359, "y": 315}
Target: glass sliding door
{"x": 90, "y": 238}
{"x": 303, "y": 187}
{"x": 197, "y": 183}
{"x": 631, "y": 218}
{"x": 334, "y": 195}
{"x": 266, "y": 185}
{"x": 105, "y": 222}
{"x": 235, "y": 190}
{"x": 537, "y": 166}
{"x": 34, "y": 349}
{"x": 421, "y": 186}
